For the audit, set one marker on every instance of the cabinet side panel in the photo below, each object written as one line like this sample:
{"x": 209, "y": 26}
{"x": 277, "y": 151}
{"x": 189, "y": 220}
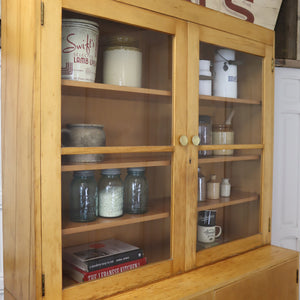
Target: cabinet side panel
{"x": 19, "y": 94}
{"x": 274, "y": 284}
{"x": 267, "y": 158}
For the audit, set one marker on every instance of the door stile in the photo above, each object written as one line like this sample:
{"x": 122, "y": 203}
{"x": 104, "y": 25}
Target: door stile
{"x": 51, "y": 149}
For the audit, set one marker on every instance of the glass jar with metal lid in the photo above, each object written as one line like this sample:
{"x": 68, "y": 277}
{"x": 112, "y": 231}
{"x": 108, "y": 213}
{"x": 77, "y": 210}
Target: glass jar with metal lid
{"x": 135, "y": 191}
{"x": 83, "y": 197}
{"x": 122, "y": 61}
{"x": 111, "y": 192}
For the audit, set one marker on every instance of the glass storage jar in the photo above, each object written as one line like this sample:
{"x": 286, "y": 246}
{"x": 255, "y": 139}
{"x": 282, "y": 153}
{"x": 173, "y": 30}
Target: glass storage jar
{"x": 122, "y": 62}
{"x": 205, "y": 134}
{"x": 110, "y": 193}
{"x": 201, "y": 186}
{"x": 83, "y": 197}
{"x": 135, "y": 191}
{"x": 223, "y": 135}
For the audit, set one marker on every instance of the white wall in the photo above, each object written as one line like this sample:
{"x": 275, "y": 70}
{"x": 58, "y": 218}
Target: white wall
{"x": 286, "y": 168}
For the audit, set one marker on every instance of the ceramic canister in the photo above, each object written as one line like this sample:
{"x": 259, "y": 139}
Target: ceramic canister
{"x": 83, "y": 135}
{"x": 225, "y": 80}
{"x": 79, "y": 49}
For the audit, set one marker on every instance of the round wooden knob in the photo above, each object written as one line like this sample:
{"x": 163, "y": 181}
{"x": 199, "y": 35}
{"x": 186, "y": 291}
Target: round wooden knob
{"x": 183, "y": 140}
{"x": 196, "y": 140}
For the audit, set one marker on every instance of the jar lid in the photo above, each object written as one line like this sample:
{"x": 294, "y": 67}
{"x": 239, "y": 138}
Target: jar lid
{"x": 204, "y": 119}
{"x": 80, "y": 22}
{"x": 222, "y": 127}
{"x": 121, "y": 40}
{"x": 204, "y": 64}
{"x": 225, "y": 180}
{"x": 224, "y": 55}
{"x": 139, "y": 169}
{"x": 84, "y": 125}
{"x": 213, "y": 177}
{"x": 86, "y": 173}
{"x": 111, "y": 172}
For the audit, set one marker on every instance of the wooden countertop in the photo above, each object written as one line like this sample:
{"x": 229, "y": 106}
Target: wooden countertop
{"x": 206, "y": 279}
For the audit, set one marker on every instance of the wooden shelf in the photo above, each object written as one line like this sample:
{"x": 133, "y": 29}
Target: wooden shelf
{"x": 158, "y": 209}
{"x": 114, "y": 150}
{"x": 236, "y": 198}
{"x": 230, "y": 100}
{"x": 110, "y": 89}
{"x": 233, "y": 147}
{"x": 119, "y": 163}
{"x": 217, "y": 159}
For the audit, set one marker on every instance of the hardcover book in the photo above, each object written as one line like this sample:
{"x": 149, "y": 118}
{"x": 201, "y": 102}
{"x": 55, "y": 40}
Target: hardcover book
{"x": 102, "y": 254}
{"x": 80, "y": 276}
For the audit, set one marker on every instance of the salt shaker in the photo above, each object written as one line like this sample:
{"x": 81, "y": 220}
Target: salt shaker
{"x": 225, "y": 187}
{"x": 213, "y": 188}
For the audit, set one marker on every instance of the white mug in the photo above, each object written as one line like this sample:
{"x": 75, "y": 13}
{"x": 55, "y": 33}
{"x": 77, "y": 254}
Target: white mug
{"x": 207, "y": 234}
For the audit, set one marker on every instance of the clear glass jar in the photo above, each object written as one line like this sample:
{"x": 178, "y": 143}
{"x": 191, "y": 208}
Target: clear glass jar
{"x": 223, "y": 135}
{"x": 205, "y": 134}
{"x": 201, "y": 186}
{"x": 135, "y": 191}
{"x": 83, "y": 197}
{"x": 111, "y": 192}
{"x": 122, "y": 62}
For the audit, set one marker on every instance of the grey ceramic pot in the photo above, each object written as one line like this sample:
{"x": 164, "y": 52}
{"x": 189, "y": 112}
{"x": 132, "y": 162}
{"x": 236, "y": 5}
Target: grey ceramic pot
{"x": 83, "y": 135}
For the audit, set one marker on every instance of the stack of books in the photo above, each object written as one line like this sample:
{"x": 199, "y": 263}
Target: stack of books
{"x": 101, "y": 259}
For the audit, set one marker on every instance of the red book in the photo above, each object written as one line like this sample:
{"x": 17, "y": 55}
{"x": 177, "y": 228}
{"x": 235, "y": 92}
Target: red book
{"x": 81, "y": 276}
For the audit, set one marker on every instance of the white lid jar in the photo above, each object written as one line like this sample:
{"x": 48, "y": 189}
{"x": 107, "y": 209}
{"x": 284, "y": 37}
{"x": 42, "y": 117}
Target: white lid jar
{"x": 122, "y": 61}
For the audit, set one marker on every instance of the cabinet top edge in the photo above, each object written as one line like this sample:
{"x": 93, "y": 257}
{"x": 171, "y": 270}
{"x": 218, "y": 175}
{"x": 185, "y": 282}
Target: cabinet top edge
{"x": 201, "y": 15}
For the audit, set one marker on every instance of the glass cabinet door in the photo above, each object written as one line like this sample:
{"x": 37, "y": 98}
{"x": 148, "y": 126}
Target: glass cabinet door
{"x": 117, "y": 127}
{"x": 228, "y": 78}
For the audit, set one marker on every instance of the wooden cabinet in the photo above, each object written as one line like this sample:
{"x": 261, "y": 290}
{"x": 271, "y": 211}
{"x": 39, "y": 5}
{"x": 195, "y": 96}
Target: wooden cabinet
{"x": 154, "y": 126}
{"x": 268, "y": 284}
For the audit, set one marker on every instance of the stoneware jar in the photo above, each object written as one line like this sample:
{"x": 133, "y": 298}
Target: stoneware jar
{"x": 83, "y": 135}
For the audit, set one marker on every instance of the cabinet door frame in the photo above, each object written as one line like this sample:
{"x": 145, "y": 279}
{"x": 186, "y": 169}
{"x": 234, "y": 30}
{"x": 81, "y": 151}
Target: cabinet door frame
{"x": 201, "y": 33}
{"x": 51, "y": 148}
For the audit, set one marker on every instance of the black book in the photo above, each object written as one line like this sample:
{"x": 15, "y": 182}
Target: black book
{"x": 102, "y": 254}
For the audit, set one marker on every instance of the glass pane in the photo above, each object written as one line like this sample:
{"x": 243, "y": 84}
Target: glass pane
{"x": 130, "y": 95}
{"x": 130, "y": 205}
{"x": 230, "y": 98}
{"x": 229, "y": 197}
{"x": 115, "y": 200}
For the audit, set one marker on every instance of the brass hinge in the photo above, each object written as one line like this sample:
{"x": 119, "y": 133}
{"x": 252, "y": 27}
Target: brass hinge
{"x": 42, "y": 13}
{"x": 273, "y": 65}
{"x": 269, "y": 225}
{"x": 297, "y": 276}
{"x": 43, "y": 285}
